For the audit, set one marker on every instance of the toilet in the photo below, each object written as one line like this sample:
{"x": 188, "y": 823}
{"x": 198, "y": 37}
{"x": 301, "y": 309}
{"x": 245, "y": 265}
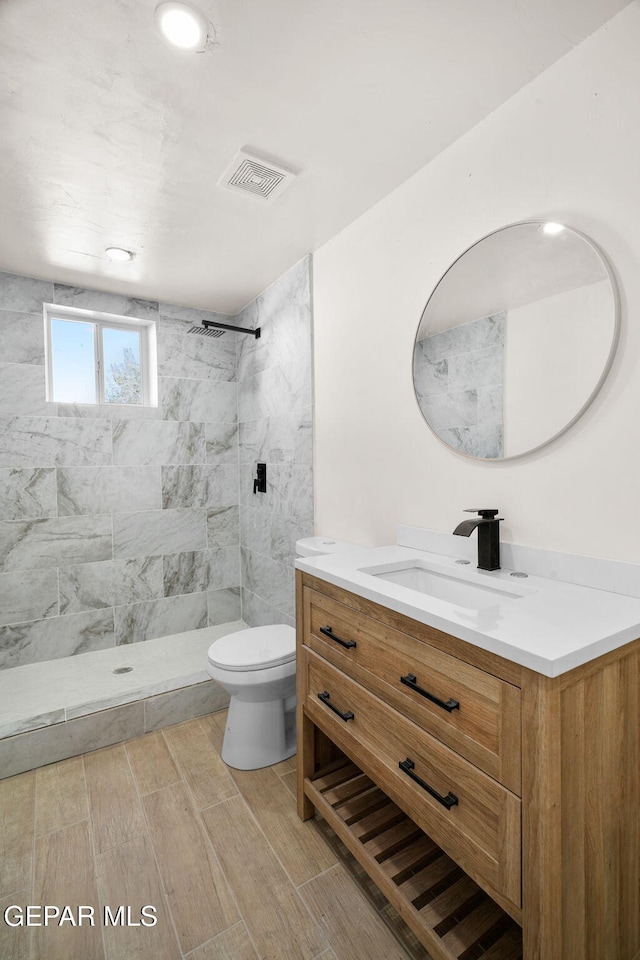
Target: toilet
{"x": 257, "y": 668}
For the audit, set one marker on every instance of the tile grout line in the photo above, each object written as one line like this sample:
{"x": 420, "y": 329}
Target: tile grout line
{"x": 30, "y": 938}
{"x": 377, "y": 911}
{"x": 147, "y": 793}
{"x": 232, "y": 892}
{"x": 198, "y": 817}
{"x": 321, "y": 874}
{"x": 205, "y": 835}
{"x": 208, "y": 840}
{"x": 346, "y": 867}
{"x": 92, "y": 847}
{"x": 153, "y": 850}
{"x": 222, "y": 933}
{"x": 191, "y": 794}
{"x": 72, "y": 823}
{"x": 176, "y": 759}
{"x": 360, "y": 886}
{"x": 279, "y": 861}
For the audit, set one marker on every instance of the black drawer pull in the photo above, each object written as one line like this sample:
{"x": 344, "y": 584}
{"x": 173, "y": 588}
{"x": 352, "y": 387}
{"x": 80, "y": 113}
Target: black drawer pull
{"x": 328, "y": 632}
{"x": 410, "y": 681}
{"x": 449, "y": 801}
{"x": 325, "y": 697}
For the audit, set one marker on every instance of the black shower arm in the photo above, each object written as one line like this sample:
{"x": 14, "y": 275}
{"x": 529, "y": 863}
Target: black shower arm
{"x": 227, "y": 326}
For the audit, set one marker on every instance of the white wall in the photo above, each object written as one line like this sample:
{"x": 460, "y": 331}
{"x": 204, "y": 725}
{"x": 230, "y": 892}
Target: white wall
{"x": 554, "y": 353}
{"x": 566, "y": 148}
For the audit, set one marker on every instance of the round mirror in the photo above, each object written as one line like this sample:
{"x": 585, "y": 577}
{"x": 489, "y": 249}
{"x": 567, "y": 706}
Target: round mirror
{"x": 515, "y": 340}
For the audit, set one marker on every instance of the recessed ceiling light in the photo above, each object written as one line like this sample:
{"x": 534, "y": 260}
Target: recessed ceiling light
{"x": 119, "y": 253}
{"x": 552, "y": 228}
{"x": 182, "y": 25}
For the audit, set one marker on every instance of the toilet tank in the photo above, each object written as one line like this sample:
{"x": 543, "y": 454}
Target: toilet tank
{"x": 316, "y": 546}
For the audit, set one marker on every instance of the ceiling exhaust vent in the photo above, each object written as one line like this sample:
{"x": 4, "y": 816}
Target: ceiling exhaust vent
{"x": 256, "y": 177}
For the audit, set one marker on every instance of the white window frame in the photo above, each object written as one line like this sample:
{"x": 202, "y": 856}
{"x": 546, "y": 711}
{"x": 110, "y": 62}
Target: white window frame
{"x": 148, "y": 350}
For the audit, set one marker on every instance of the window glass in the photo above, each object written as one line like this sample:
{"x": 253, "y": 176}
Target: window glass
{"x": 100, "y": 358}
{"x": 122, "y": 366}
{"x": 73, "y": 361}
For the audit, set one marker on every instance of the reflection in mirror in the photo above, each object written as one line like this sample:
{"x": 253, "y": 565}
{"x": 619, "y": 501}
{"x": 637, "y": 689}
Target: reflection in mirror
{"x": 515, "y": 340}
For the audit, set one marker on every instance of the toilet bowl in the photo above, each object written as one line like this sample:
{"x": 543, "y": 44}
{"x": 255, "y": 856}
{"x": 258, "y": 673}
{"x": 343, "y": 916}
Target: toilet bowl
{"x": 257, "y": 668}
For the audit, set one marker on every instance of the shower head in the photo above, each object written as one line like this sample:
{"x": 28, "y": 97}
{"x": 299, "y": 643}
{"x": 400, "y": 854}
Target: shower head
{"x": 212, "y": 328}
{"x": 206, "y": 331}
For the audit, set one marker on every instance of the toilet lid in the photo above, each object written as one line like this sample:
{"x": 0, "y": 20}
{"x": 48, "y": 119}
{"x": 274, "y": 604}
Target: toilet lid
{"x": 254, "y": 649}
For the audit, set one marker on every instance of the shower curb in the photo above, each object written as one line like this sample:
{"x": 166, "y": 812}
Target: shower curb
{"x": 102, "y": 728}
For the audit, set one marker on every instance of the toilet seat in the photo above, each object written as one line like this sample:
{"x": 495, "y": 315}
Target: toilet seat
{"x": 256, "y": 648}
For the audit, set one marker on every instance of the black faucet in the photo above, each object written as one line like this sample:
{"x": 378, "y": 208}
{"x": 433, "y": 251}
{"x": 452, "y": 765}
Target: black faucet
{"x": 488, "y": 536}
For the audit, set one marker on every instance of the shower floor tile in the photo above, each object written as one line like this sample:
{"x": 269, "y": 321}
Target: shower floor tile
{"x": 41, "y": 694}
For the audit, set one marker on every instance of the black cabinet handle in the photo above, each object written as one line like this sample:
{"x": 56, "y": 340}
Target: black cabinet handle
{"x": 325, "y": 697}
{"x": 328, "y": 632}
{"x": 449, "y": 801}
{"x": 410, "y": 681}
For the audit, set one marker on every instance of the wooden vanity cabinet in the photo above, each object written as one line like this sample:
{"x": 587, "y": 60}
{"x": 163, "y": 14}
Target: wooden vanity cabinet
{"x": 496, "y": 808}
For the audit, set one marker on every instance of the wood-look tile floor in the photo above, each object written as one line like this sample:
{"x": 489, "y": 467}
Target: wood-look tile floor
{"x": 221, "y": 855}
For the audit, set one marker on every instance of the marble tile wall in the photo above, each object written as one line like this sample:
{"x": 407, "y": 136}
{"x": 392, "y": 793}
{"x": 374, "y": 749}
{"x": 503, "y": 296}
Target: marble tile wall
{"x": 458, "y": 376}
{"x": 117, "y": 524}
{"x": 275, "y": 427}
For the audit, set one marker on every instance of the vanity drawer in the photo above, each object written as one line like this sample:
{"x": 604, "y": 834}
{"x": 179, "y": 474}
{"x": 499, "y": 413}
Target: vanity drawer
{"x": 473, "y": 818}
{"x": 473, "y": 712}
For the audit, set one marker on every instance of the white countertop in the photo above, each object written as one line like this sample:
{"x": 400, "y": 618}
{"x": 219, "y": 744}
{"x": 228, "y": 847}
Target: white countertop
{"x": 547, "y": 625}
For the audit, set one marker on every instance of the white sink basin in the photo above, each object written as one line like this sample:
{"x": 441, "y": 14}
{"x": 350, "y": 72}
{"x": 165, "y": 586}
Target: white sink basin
{"x": 557, "y": 625}
{"x": 465, "y": 591}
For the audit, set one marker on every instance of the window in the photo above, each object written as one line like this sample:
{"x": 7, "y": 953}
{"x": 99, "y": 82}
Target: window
{"x": 99, "y": 357}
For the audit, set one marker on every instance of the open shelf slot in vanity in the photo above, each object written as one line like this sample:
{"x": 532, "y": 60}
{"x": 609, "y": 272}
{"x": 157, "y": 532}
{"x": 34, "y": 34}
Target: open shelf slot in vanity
{"x": 450, "y": 914}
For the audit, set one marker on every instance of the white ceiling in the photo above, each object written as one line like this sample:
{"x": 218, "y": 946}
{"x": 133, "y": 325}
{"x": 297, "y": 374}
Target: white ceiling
{"x": 509, "y": 269}
{"x": 109, "y": 136}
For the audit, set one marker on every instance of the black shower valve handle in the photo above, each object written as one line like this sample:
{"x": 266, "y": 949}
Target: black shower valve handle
{"x": 260, "y": 481}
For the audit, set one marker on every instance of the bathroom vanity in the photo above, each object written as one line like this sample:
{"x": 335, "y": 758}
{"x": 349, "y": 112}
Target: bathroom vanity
{"x": 493, "y": 799}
